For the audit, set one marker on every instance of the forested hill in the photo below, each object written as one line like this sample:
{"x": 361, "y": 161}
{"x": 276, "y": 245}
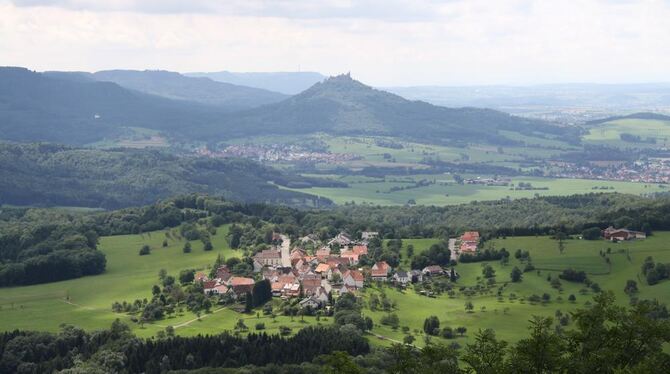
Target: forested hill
{"x": 46, "y": 174}
{"x": 71, "y": 109}
{"x": 36, "y": 107}
{"x": 203, "y": 90}
{"x": 342, "y": 105}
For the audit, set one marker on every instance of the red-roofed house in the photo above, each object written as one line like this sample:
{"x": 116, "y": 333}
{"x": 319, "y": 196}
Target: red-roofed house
{"x": 241, "y": 285}
{"x": 201, "y": 277}
{"x": 353, "y": 278}
{"x": 470, "y": 236}
{"x": 380, "y": 271}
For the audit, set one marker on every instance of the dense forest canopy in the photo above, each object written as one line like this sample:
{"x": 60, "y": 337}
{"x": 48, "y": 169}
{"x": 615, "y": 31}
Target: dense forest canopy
{"x": 54, "y": 175}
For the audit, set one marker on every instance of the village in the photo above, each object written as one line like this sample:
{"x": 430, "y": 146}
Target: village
{"x": 332, "y": 268}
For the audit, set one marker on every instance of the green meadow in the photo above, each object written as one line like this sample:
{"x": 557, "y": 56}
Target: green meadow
{"x": 610, "y": 132}
{"x": 509, "y": 318}
{"x": 86, "y": 302}
{"x": 446, "y": 192}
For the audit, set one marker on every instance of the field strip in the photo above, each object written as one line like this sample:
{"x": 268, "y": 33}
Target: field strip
{"x": 80, "y": 306}
{"x": 382, "y": 337}
{"x": 184, "y": 324}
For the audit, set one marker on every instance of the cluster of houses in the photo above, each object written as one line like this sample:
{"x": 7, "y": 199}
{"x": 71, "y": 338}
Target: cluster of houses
{"x": 331, "y": 268}
{"x": 615, "y": 235}
{"x": 468, "y": 242}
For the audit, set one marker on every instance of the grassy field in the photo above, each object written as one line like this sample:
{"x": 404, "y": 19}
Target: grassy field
{"x": 445, "y": 192}
{"x": 512, "y": 324}
{"x": 610, "y": 132}
{"x": 128, "y": 277}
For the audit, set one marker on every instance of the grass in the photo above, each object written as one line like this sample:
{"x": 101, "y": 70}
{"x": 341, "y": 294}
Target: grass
{"x": 412, "y": 308}
{"x": 128, "y": 277}
{"x": 445, "y": 192}
{"x": 610, "y": 132}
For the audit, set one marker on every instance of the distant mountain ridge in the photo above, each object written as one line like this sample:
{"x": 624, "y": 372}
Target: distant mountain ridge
{"x": 202, "y": 90}
{"x": 289, "y": 83}
{"x": 639, "y": 115}
{"x": 70, "y": 109}
{"x": 342, "y": 105}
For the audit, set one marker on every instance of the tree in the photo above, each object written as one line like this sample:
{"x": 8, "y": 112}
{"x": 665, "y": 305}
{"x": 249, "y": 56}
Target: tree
{"x": 145, "y": 250}
{"x": 469, "y": 306}
{"x": 262, "y": 292}
{"x": 461, "y": 330}
{"x": 207, "y": 245}
{"x": 488, "y": 271}
{"x": 572, "y": 298}
{"x": 487, "y": 354}
{"x": 592, "y": 233}
{"x": 542, "y": 352}
{"x": 631, "y": 287}
{"x": 187, "y": 247}
{"x": 165, "y": 243}
{"x": 162, "y": 273}
{"x": 516, "y": 275}
{"x": 340, "y": 362}
{"x": 186, "y": 276}
{"x": 431, "y": 325}
{"x": 248, "y": 303}
{"x": 408, "y": 339}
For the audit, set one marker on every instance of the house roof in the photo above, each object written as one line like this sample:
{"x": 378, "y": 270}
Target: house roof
{"x": 356, "y": 275}
{"x": 322, "y": 268}
{"x": 241, "y": 281}
{"x": 208, "y": 285}
{"x": 470, "y": 236}
{"x": 268, "y": 254}
{"x": 433, "y": 269}
{"x": 222, "y": 288}
{"x": 360, "y": 249}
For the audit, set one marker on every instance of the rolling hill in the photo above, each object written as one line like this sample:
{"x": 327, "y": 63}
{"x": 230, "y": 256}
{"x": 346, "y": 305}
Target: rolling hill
{"x": 289, "y": 83}
{"x": 39, "y": 107}
{"x": 342, "y": 105}
{"x": 179, "y": 87}
{"x": 54, "y": 175}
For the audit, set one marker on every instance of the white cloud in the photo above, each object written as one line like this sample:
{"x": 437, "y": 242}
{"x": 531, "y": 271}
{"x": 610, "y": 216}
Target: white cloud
{"x": 448, "y": 42}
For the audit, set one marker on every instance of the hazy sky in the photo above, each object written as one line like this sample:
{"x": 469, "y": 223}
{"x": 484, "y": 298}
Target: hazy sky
{"x": 382, "y": 42}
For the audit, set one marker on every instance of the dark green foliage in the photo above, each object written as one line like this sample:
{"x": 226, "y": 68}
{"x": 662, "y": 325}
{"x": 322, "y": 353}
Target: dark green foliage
{"x": 655, "y": 272}
{"x": 431, "y": 325}
{"x": 437, "y": 254}
{"x": 262, "y": 293}
{"x": 488, "y": 271}
{"x": 484, "y": 255}
{"x": 186, "y": 276}
{"x": 572, "y": 275}
{"x": 592, "y": 233}
{"x": 516, "y": 275}
{"x": 187, "y": 247}
{"x": 47, "y": 174}
{"x": 145, "y": 250}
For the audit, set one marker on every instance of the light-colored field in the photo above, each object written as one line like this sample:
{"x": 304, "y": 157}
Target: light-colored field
{"x": 412, "y": 309}
{"x": 610, "y": 132}
{"x": 445, "y": 192}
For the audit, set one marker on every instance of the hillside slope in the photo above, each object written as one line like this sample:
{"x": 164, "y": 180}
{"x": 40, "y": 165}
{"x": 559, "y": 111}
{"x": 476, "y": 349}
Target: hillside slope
{"x": 342, "y": 105}
{"x": 203, "y": 90}
{"x": 289, "y": 83}
{"x": 46, "y": 174}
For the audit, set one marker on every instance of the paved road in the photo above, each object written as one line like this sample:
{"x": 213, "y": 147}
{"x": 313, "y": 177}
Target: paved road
{"x": 285, "y": 253}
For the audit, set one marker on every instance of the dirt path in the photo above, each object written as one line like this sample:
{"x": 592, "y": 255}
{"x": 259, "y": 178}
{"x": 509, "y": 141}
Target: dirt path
{"x": 184, "y": 324}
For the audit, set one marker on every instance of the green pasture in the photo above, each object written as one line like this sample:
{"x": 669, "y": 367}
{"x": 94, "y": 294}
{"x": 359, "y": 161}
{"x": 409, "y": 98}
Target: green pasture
{"x": 86, "y": 302}
{"x": 625, "y": 262}
{"x": 610, "y": 132}
{"x": 445, "y": 192}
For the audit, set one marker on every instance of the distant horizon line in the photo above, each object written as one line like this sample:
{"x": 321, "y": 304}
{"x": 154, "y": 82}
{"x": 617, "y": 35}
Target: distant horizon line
{"x": 325, "y": 76}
